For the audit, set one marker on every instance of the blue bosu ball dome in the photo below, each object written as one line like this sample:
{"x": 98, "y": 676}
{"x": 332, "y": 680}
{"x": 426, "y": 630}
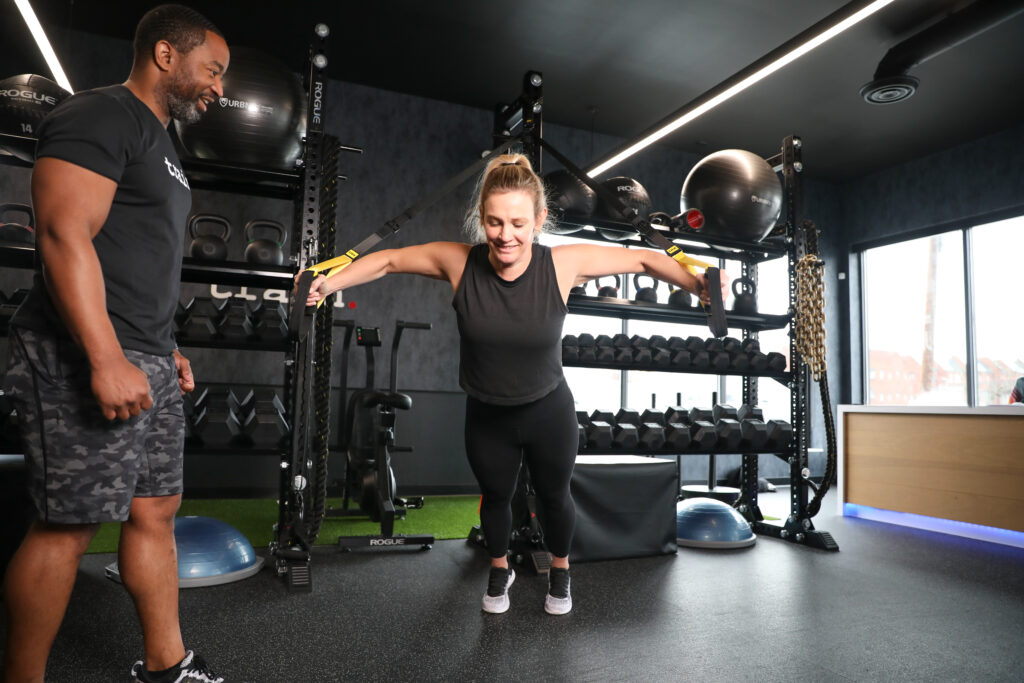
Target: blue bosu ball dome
{"x": 210, "y": 552}
{"x": 710, "y": 523}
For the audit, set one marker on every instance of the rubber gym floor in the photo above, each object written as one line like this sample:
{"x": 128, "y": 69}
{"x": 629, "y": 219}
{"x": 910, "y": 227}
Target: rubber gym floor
{"x": 894, "y": 604}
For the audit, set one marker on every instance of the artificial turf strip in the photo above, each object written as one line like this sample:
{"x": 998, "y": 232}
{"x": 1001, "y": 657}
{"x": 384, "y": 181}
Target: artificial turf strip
{"x": 443, "y": 516}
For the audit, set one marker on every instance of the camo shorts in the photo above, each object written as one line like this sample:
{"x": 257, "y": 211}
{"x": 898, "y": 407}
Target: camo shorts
{"x": 82, "y": 467}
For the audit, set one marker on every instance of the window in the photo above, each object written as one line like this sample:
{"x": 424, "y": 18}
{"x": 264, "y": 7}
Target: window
{"x": 914, "y": 316}
{"x": 998, "y": 324}
{"x": 918, "y": 331}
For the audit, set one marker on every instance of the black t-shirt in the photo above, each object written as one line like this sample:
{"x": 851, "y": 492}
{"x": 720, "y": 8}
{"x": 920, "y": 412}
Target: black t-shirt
{"x": 111, "y": 132}
{"x": 511, "y": 332}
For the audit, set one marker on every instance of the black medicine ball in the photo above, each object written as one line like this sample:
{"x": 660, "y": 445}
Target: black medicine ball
{"x": 631, "y": 193}
{"x": 568, "y": 195}
{"x": 260, "y": 120}
{"x": 737, "y": 191}
{"x": 25, "y": 101}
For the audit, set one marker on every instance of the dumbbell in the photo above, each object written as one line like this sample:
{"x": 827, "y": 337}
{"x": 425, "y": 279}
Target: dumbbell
{"x": 196, "y": 320}
{"x": 700, "y": 360}
{"x": 718, "y": 359}
{"x": 581, "y": 421}
{"x": 727, "y": 428}
{"x": 642, "y": 354}
{"x": 677, "y": 435}
{"x": 758, "y": 361}
{"x": 623, "y": 435}
{"x": 588, "y": 348}
{"x": 657, "y": 341}
{"x": 598, "y": 430}
{"x": 776, "y": 361}
{"x": 231, "y": 320}
{"x": 214, "y": 422}
{"x": 264, "y": 422}
{"x": 650, "y": 434}
{"x": 702, "y": 432}
{"x": 754, "y": 430}
{"x": 270, "y": 319}
{"x": 730, "y": 430}
{"x": 606, "y": 352}
{"x": 623, "y": 349}
{"x": 779, "y": 435}
{"x": 739, "y": 359}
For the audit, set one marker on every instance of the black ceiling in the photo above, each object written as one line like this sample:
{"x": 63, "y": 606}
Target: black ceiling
{"x": 618, "y": 67}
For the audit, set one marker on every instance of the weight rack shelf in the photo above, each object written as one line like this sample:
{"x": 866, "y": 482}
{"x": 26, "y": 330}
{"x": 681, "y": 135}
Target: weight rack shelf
{"x": 783, "y": 377}
{"x": 624, "y": 308}
{"x": 782, "y": 453}
{"x": 237, "y": 273}
{"x": 693, "y": 243}
{"x": 235, "y": 178}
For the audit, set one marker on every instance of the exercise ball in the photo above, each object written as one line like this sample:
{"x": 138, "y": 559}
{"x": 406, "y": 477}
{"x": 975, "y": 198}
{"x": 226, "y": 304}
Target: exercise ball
{"x": 738, "y": 193}
{"x": 260, "y": 120}
{"x": 631, "y": 193}
{"x": 25, "y": 101}
{"x": 210, "y": 552}
{"x": 710, "y": 523}
{"x": 568, "y": 195}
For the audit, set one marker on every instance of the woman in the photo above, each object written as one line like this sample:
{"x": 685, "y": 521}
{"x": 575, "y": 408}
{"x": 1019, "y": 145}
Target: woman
{"x": 510, "y": 302}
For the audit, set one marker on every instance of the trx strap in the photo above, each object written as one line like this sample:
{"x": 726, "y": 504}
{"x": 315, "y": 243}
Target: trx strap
{"x": 716, "y": 311}
{"x": 298, "y": 321}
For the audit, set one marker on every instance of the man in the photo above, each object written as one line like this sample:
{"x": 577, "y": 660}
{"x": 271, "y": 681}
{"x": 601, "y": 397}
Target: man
{"x": 93, "y": 366}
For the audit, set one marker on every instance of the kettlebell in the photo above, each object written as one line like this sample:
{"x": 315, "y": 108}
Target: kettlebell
{"x": 608, "y": 290}
{"x": 679, "y": 298}
{"x": 209, "y": 246}
{"x": 16, "y": 234}
{"x": 745, "y": 302}
{"x": 579, "y": 290}
{"x": 645, "y": 295}
{"x": 267, "y": 252}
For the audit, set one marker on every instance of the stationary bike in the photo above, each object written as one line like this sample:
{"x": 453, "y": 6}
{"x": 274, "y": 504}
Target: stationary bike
{"x": 369, "y": 436}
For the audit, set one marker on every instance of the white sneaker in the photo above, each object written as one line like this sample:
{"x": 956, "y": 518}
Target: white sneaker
{"x": 496, "y": 598}
{"x": 558, "y": 600}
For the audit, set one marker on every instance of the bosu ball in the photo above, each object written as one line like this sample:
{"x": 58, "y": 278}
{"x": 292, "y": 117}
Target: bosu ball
{"x": 210, "y": 552}
{"x": 710, "y": 523}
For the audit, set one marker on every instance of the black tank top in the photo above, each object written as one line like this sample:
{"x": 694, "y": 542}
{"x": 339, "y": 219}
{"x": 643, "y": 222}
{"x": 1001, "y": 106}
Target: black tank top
{"x": 511, "y": 332}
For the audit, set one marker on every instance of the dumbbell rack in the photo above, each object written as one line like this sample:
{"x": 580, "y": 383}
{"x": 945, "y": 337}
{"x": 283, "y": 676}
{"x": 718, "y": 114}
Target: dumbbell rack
{"x": 787, "y": 240}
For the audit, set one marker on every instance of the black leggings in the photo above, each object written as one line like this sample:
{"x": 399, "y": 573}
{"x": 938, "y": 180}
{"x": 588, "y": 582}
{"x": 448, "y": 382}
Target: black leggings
{"x": 497, "y": 439}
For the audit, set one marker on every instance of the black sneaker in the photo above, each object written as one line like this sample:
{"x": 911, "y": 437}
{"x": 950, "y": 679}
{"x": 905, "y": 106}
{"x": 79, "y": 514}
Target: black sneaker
{"x": 558, "y": 600}
{"x": 189, "y": 670}
{"x": 496, "y": 598}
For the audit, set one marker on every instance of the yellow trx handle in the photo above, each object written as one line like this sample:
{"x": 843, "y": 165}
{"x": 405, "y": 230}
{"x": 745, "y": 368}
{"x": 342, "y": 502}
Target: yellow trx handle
{"x": 687, "y": 261}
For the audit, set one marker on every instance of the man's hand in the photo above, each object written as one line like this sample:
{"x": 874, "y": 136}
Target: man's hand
{"x": 185, "y": 380}
{"x": 121, "y": 389}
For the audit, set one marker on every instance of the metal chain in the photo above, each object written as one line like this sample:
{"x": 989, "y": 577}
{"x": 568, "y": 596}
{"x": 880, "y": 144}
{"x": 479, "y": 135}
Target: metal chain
{"x": 809, "y": 321}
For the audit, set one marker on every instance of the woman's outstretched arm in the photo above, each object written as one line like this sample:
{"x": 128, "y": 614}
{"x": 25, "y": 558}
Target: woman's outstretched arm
{"x": 437, "y": 260}
{"x": 579, "y": 263}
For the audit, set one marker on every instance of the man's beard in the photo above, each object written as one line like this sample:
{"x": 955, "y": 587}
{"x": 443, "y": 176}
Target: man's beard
{"x": 182, "y": 100}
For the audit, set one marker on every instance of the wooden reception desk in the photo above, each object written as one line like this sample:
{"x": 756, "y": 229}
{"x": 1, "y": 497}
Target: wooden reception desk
{"x": 961, "y": 464}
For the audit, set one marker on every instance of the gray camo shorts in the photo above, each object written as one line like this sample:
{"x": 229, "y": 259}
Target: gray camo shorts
{"x": 83, "y": 468}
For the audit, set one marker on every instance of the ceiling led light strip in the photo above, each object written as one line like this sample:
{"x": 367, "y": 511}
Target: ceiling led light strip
{"x": 44, "y": 44}
{"x": 804, "y": 43}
